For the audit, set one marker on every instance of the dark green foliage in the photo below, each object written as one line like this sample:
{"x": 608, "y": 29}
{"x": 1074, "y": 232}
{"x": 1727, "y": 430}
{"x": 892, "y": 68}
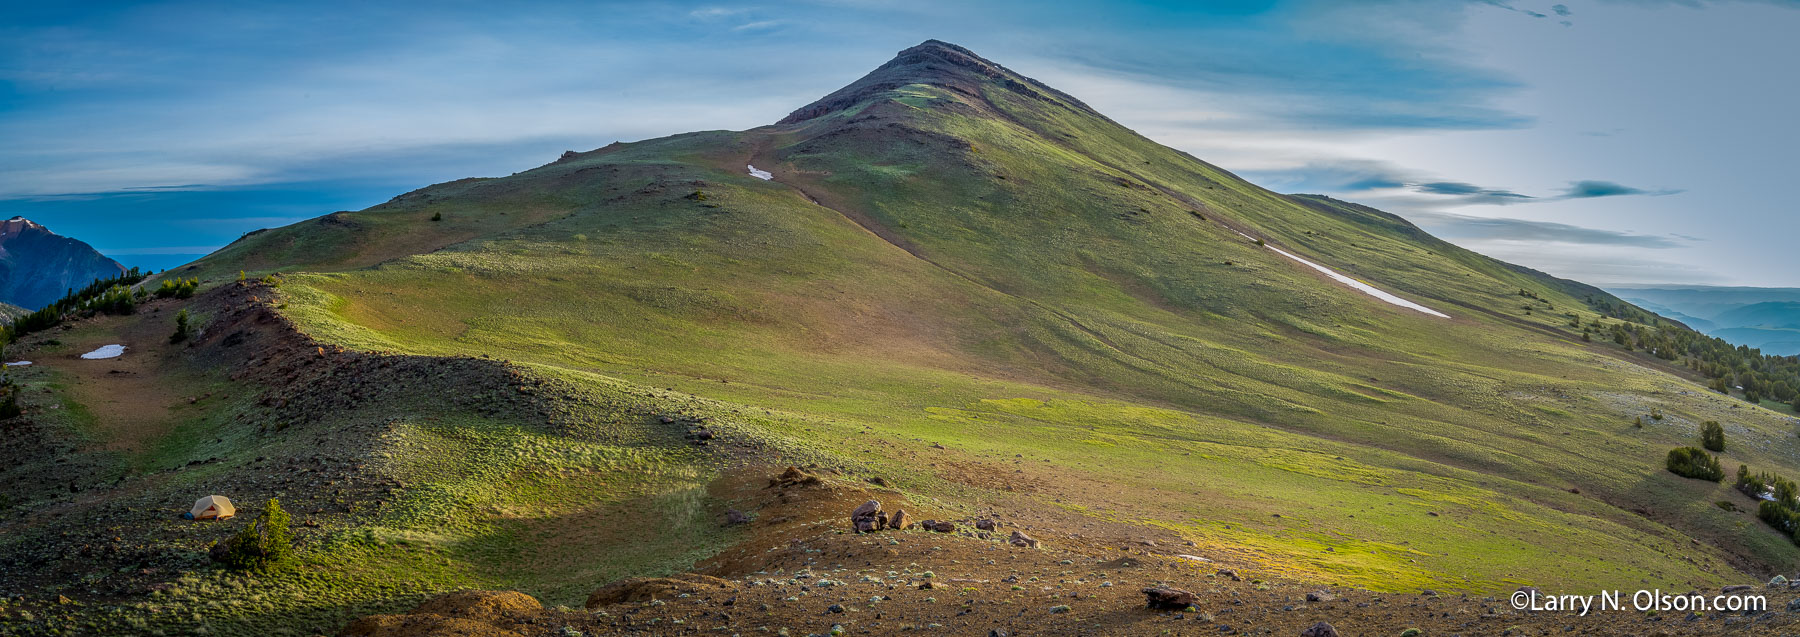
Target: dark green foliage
{"x": 1696, "y": 463}
{"x": 9, "y": 408}
{"x": 1783, "y": 512}
{"x": 1712, "y": 436}
{"x": 1259, "y": 242}
{"x": 177, "y": 288}
{"x": 1752, "y": 396}
{"x": 110, "y": 296}
{"x": 1656, "y": 413}
{"x": 182, "y": 331}
{"x": 1777, "y": 516}
{"x": 263, "y": 546}
{"x": 437, "y": 216}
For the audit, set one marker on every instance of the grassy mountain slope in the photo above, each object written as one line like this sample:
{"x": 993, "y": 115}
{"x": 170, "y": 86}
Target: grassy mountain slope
{"x": 979, "y": 238}
{"x": 952, "y": 254}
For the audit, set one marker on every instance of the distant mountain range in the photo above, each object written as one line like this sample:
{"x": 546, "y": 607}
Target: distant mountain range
{"x": 38, "y": 266}
{"x": 1763, "y": 318}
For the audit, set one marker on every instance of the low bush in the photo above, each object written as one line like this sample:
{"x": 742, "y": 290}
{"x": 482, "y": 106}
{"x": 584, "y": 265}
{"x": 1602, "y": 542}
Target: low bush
{"x": 1712, "y": 435}
{"x": 1696, "y": 463}
{"x": 262, "y": 546}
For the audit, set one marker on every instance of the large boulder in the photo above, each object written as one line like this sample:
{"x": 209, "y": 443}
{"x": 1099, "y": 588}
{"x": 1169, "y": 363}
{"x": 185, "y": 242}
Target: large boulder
{"x": 1166, "y": 598}
{"x": 897, "y": 522}
{"x": 1020, "y": 539}
{"x": 868, "y": 518}
{"x": 1320, "y": 629}
{"x": 938, "y": 526}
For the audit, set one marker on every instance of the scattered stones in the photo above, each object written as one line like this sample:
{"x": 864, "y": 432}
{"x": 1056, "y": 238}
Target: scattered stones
{"x": 1736, "y": 588}
{"x": 1320, "y": 596}
{"x": 1166, "y": 598}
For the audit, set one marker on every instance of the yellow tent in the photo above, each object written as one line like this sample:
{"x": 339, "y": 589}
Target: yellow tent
{"x": 213, "y": 507}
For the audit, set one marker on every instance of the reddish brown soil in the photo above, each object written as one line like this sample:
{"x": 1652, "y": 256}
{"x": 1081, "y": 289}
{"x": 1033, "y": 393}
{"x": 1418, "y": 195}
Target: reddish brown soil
{"x": 802, "y": 573}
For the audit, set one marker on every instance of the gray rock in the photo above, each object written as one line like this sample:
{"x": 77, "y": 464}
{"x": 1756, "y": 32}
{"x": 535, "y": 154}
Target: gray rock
{"x": 1320, "y": 629}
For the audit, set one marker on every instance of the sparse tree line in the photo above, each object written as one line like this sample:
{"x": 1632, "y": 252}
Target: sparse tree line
{"x": 117, "y": 295}
{"x": 1728, "y": 366}
{"x": 109, "y": 296}
{"x": 1780, "y": 497}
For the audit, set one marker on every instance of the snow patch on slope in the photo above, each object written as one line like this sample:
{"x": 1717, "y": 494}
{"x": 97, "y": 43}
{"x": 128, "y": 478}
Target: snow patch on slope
{"x": 1355, "y": 284}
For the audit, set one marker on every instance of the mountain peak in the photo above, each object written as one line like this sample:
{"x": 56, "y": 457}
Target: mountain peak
{"x": 934, "y": 63}
{"x": 37, "y": 266}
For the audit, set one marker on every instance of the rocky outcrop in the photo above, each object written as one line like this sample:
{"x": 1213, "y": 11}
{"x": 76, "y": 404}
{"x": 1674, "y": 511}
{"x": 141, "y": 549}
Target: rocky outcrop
{"x": 1166, "y": 598}
{"x": 868, "y": 518}
{"x": 1021, "y": 540}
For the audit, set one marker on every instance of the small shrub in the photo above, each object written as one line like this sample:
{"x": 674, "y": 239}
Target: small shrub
{"x": 262, "y": 546}
{"x": 437, "y": 216}
{"x": 1691, "y": 462}
{"x": 1712, "y": 435}
{"x": 9, "y": 408}
{"x": 182, "y": 331}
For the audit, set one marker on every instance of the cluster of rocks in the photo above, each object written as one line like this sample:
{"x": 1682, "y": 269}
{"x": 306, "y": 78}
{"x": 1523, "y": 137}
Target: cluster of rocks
{"x": 869, "y": 518}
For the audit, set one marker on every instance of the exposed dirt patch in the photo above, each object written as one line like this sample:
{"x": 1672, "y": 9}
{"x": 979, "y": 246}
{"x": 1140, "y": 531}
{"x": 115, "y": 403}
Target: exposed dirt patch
{"x": 800, "y": 572}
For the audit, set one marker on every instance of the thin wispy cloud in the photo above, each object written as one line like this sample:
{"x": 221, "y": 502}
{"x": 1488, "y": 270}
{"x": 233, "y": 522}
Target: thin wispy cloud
{"x": 1493, "y": 228}
{"x": 1592, "y": 189}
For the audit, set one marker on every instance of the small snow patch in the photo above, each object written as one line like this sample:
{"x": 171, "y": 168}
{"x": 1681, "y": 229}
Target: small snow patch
{"x": 105, "y": 351}
{"x": 1355, "y": 284}
{"x": 760, "y": 174}
{"x": 18, "y": 363}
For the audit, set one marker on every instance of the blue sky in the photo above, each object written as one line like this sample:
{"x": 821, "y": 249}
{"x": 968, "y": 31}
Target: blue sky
{"x": 1610, "y": 141}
